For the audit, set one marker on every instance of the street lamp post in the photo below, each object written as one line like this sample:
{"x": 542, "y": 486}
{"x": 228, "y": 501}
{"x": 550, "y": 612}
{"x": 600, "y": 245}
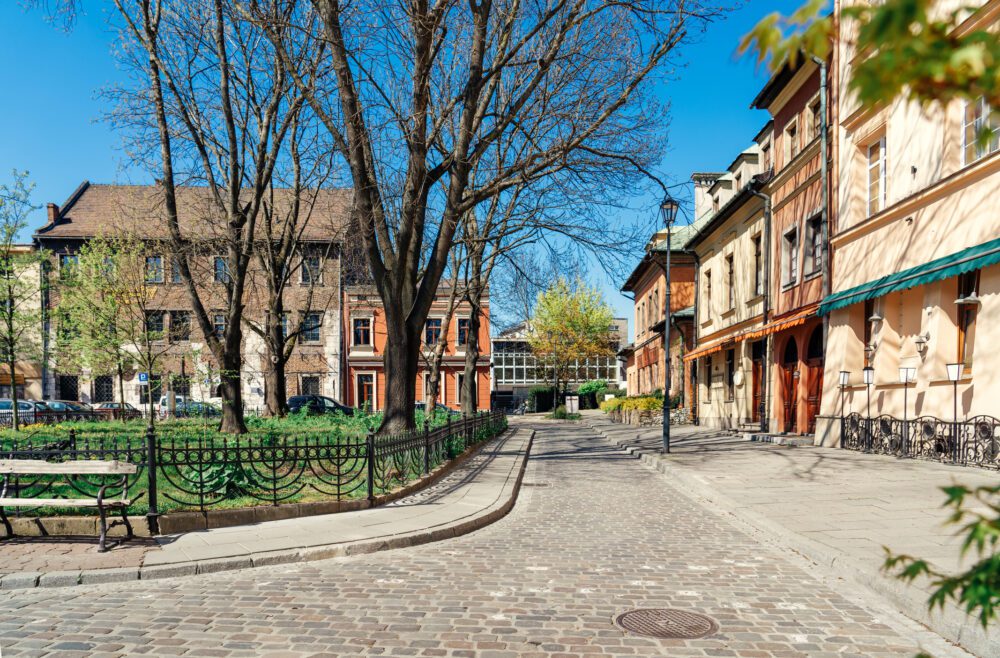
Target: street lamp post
{"x": 869, "y": 379}
{"x": 668, "y": 210}
{"x": 954, "y": 374}
{"x": 906, "y": 375}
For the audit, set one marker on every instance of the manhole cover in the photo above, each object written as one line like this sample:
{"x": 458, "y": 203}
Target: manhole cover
{"x": 667, "y": 623}
{"x": 534, "y": 484}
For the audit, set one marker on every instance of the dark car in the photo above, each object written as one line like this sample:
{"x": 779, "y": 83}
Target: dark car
{"x": 439, "y": 409}
{"x": 316, "y": 405}
{"x": 195, "y": 409}
{"x": 68, "y": 406}
{"x": 118, "y": 410}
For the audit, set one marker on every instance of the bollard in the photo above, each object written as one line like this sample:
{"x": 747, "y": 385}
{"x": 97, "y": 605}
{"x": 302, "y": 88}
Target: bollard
{"x": 427, "y": 447}
{"x": 371, "y": 468}
{"x": 153, "y": 514}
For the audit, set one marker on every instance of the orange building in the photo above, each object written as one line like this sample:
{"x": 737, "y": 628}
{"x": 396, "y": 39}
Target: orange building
{"x": 799, "y": 256}
{"x": 365, "y": 337}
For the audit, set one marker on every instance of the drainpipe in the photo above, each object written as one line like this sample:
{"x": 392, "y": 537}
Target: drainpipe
{"x": 695, "y": 418}
{"x": 765, "y": 398}
{"x": 824, "y": 147}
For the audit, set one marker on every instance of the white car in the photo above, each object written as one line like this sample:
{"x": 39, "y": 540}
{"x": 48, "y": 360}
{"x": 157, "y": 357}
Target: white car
{"x": 25, "y": 411}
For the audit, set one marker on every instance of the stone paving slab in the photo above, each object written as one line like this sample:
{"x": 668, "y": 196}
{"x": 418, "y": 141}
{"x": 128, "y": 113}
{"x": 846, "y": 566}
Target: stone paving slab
{"x": 593, "y": 534}
{"x": 478, "y": 492}
{"x": 838, "y": 507}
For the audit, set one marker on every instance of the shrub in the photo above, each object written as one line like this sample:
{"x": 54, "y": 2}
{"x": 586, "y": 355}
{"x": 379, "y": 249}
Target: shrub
{"x": 614, "y": 404}
{"x": 560, "y": 412}
{"x": 593, "y": 386}
{"x": 642, "y": 403}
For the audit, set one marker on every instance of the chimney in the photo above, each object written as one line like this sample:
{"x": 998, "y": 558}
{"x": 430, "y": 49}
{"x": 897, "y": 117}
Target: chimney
{"x": 53, "y": 212}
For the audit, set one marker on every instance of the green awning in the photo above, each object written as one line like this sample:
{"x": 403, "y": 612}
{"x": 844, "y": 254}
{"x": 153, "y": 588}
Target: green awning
{"x": 967, "y": 260}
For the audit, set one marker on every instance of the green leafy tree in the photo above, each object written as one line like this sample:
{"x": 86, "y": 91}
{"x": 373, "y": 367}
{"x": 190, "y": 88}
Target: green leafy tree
{"x": 20, "y": 283}
{"x": 911, "y": 50}
{"x": 106, "y": 315}
{"x": 571, "y": 323}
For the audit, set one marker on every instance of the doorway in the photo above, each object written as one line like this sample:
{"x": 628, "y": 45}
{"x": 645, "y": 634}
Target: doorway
{"x": 757, "y": 379}
{"x": 790, "y": 384}
{"x": 814, "y": 377}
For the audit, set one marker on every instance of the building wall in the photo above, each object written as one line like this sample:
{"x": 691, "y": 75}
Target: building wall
{"x": 363, "y": 302}
{"x": 936, "y": 202}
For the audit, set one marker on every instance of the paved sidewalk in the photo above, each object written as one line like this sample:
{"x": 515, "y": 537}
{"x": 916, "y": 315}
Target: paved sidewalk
{"x": 593, "y": 534}
{"x": 837, "y": 507}
{"x": 476, "y": 493}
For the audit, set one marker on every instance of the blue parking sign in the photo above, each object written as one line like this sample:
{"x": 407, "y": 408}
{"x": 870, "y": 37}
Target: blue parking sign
{"x": 143, "y": 377}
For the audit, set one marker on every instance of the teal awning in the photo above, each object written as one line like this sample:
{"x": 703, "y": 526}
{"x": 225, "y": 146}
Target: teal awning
{"x": 967, "y": 260}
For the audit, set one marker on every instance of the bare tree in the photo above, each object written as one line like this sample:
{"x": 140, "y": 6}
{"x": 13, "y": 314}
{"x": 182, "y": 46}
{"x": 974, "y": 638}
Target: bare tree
{"x": 214, "y": 99}
{"x": 425, "y": 92}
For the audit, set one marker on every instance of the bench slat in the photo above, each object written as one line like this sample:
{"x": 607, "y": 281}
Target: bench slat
{"x": 79, "y": 467}
{"x": 61, "y": 502}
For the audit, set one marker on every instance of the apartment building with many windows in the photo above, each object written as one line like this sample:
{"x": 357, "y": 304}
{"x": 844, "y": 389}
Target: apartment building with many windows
{"x": 916, "y": 244}
{"x": 311, "y": 300}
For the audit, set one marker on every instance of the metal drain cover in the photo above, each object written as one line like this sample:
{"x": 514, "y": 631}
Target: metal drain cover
{"x": 667, "y": 623}
{"x": 534, "y": 484}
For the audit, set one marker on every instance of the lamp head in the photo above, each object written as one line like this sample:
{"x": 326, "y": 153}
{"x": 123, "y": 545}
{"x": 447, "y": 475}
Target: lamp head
{"x": 845, "y": 376}
{"x": 954, "y": 371}
{"x": 668, "y": 210}
{"x": 869, "y": 375}
{"x": 907, "y": 374}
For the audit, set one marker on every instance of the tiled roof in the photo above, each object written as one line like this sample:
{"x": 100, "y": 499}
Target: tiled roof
{"x": 107, "y": 209}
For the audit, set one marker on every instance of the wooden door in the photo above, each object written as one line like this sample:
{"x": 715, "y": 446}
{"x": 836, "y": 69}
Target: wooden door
{"x": 814, "y": 392}
{"x": 790, "y": 395}
{"x": 758, "y": 389}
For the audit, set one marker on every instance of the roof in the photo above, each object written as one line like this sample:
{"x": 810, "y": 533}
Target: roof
{"x": 95, "y": 209}
{"x": 679, "y": 237}
{"x": 712, "y": 222}
{"x": 777, "y": 82}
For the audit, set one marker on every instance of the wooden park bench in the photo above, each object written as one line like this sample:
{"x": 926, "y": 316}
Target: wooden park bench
{"x": 29, "y": 467}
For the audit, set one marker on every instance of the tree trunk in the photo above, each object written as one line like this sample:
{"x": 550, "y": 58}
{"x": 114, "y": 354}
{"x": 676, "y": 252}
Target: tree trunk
{"x": 232, "y": 395}
{"x": 470, "y": 388}
{"x": 121, "y": 388}
{"x": 13, "y": 391}
{"x": 402, "y": 354}
{"x": 275, "y": 379}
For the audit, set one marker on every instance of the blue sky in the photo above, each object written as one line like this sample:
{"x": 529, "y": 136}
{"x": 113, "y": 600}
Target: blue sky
{"x": 50, "y": 122}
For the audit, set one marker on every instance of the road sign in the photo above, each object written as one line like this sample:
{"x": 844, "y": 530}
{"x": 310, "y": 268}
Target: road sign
{"x": 143, "y": 377}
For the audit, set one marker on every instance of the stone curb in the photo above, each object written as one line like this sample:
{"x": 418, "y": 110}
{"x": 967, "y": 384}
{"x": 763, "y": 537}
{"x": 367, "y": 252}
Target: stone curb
{"x": 951, "y": 623}
{"x": 490, "y": 515}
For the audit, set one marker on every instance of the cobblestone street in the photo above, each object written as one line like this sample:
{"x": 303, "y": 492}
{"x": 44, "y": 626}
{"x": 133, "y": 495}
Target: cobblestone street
{"x": 593, "y": 534}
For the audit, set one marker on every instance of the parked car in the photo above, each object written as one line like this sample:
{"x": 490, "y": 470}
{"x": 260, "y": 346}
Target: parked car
{"x": 118, "y": 410}
{"x": 193, "y": 409}
{"x": 316, "y": 405}
{"x": 68, "y": 406}
{"x": 27, "y": 411}
{"x": 439, "y": 409}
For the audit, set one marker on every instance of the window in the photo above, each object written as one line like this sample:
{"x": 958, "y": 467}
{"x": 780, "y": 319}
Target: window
{"x": 730, "y": 374}
{"x": 815, "y": 120}
{"x": 982, "y": 130}
{"x": 69, "y": 387}
{"x": 790, "y": 257}
{"x": 758, "y": 264}
{"x": 968, "y": 286}
{"x": 814, "y": 245}
{"x": 730, "y": 282}
{"x": 739, "y": 182}
{"x": 463, "y": 331}
{"x": 68, "y": 263}
{"x": 708, "y": 378}
{"x": 876, "y": 176}
{"x": 310, "y": 385}
{"x": 766, "y": 152}
{"x": 219, "y": 323}
{"x": 365, "y": 388}
{"x": 432, "y": 331}
{"x": 310, "y": 327}
{"x": 791, "y": 140}
{"x": 175, "y": 271}
{"x": 104, "y": 389}
{"x": 180, "y": 326}
{"x": 311, "y": 273}
{"x": 154, "y": 324}
{"x": 708, "y": 294}
{"x": 154, "y": 269}
{"x": 284, "y": 326}
{"x": 362, "y": 331}
{"x": 220, "y": 269}
{"x": 461, "y": 387}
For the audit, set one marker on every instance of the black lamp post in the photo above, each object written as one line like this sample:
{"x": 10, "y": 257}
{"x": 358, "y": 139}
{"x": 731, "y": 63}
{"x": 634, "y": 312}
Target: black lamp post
{"x": 668, "y": 211}
{"x": 906, "y": 375}
{"x": 845, "y": 377}
{"x": 869, "y": 378}
{"x": 954, "y": 374}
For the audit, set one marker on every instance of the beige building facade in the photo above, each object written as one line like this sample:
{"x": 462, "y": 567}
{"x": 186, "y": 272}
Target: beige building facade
{"x": 916, "y": 282}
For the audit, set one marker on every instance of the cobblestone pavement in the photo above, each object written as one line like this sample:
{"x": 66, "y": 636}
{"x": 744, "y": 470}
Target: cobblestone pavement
{"x": 68, "y": 554}
{"x": 593, "y": 534}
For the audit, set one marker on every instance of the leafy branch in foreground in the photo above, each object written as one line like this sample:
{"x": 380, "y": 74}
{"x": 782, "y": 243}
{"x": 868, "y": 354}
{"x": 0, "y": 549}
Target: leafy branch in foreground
{"x": 977, "y": 589}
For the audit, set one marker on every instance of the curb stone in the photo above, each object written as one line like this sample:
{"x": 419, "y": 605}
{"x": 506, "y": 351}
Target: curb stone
{"x": 492, "y": 514}
{"x": 951, "y": 624}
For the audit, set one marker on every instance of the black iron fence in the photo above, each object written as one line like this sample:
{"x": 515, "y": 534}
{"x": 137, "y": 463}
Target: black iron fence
{"x": 971, "y": 442}
{"x": 213, "y": 470}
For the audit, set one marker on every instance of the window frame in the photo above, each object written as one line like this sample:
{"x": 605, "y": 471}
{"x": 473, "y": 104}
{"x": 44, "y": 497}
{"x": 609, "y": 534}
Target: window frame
{"x": 306, "y": 334}
{"x": 790, "y": 251}
{"x": 171, "y": 331}
{"x": 216, "y": 324}
{"x": 981, "y": 115}
{"x": 880, "y": 164}
{"x": 306, "y": 272}
{"x": 792, "y": 139}
{"x": 730, "y": 282}
{"x": 758, "y": 262}
{"x": 731, "y": 374}
{"x": 368, "y": 329}
{"x": 812, "y": 262}
{"x": 156, "y": 274}
{"x": 225, "y": 277}
{"x": 357, "y": 388}
{"x": 459, "y": 331}
{"x": 162, "y": 323}
{"x": 427, "y": 329}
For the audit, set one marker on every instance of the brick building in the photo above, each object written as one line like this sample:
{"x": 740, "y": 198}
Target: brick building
{"x": 312, "y": 296}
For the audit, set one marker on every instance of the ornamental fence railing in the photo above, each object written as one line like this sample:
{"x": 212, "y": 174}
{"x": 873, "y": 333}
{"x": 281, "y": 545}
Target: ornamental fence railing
{"x": 214, "y": 471}
{"x": 971, "y": 442}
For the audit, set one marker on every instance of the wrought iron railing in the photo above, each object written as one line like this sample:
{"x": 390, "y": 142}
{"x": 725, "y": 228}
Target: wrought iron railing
{"x": 212, "y": 471}
{"x": 971, "y": 442}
